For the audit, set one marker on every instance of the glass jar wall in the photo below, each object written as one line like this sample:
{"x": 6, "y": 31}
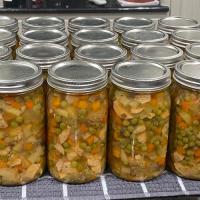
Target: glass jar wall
{"x": 139, "y": 120}
{"x": 22, "y": 123}
{"x": 77, "y": 121}
{"x": 184, "y": 145}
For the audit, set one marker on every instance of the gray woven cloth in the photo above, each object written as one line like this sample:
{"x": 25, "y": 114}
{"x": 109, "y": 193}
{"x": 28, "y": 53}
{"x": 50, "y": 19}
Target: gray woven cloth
{"x": 107, "y": 187}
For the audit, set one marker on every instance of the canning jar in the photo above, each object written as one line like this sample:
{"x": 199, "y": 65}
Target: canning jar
{"x": 165, "y": 54}
{"x": 105, "y": 54}
{"x": 8, "y": 39}
{"x": 184, "y": 144}
{"x": 77, "y": 121}
{"x": 44, "y": 36}
{"x": 139, "y": 120}
{"x": 192, "y": 51}
{"x": 124, "y": 24}
{"x": 170, "y": 24}
{"x": 5, "y": 53}
{"x": 181, "y": 38}
{"x": 88, "y": 36}
{"x": 43, "y": 22}
{"x": 132, "y": 38}
{"x": 22, "y": 125}
{"x": 9, "y": 23}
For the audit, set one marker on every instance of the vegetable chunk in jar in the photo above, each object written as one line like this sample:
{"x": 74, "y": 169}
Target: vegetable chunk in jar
{"x": 22, "y": 125}
{"x": 77, "y": 121}
{"x": 184, "y": 145}
{"x": 139, "y": 120}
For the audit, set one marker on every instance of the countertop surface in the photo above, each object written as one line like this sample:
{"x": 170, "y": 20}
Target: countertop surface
{"x": 81, "y": 7}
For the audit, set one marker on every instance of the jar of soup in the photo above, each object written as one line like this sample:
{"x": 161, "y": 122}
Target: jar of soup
{"x": 192, "y": 51}
{"x": 165, "y": 54}
{"x": 105, "y": 54}
{"x": 124, "y": 24}
{"x": 22, "y": 123}
{"x": 181, "y": 38}
{"x": 77, "y": 121}
{"x": 5, "y": 53}
{"x": 132, "y": 38}
{"x": 97, "y": 36}
{"x": 43, "y": 22}
{"x": 184, "y": 144}
{"x": 8, "y": 39}
{"x": 170, "y": 24}
{"x": 139, "y": 120}
{"x": 9, "y": 23}
{"x": 44, "y": 36}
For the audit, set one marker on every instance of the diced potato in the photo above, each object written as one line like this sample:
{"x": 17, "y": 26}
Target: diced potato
{"x": 64, "y": 135}
{"x": 31, "y": 172}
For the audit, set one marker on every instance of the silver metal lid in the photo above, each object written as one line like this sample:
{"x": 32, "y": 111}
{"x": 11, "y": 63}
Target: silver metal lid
{"x": 139, "y": 36}
{"x": 7, "y": 38}
{"x": 5, "y": 53}
{"x": 104, "y": 54}
{"x": 193, "y": 51}
{"x": 187, "y": 73}
{"x": 43, "y": 22}
{"x": 43, "y": 54}
{"x": 77, "y": 77}
{"x": 19, "y": 76}
{"x": 141, "y": 76}
{"x": 127, "y": 23}
{"x": 86, "y": 36}
{"x": 43, "y": 36}
{"x": 77, "y": 23}
{"x": 9, "y": 23}
{"x": 165, "y": 54}
{"x": 182, "y": 38}
{"x": 169, "y": 24}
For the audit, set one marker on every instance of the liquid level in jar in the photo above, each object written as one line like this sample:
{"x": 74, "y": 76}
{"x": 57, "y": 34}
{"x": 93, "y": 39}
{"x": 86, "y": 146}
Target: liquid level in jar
{"x": 77, "y": 127}
{"x": 138, "y": 134}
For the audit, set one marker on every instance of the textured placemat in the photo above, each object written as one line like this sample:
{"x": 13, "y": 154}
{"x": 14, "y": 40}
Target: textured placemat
{"x": 107, "y": 187}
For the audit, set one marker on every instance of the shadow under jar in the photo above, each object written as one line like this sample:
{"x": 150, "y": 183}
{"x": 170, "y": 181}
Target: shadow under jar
{"x": 139, "y": 120}
{"x": 132, "y": 38}
{"x": 43, "y": 22}
{"x": 5, "y": 53}
{"x": 104, "y": 54}
{"x": 22, "y": 123}
{"x": 44, "y": 36}
{"x": 89, "y": 36}
{"x": 123, "y": 24}
{"x": 170, "y": 24}
{"x": 184, "y": 144}
{"x": 77, "y": 121}
{"x": 8, "y": 39}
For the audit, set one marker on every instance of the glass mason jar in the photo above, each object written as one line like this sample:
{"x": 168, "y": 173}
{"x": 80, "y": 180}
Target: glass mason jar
{"x": 78, "y": 23}
{"x": 89, "y": 36}
{"x": 22, "y": 123}
{"x": 165, "y": 54}
{"x": 124, "y": 24}
{"x": 9, "y": 23}
{"x": 77, "y": 121}
{"x": 43, "y": 22}
{"x": 170, "y": 24}
{"x": 8, "y": 39}
{"x": 105, "y": 54}
{"x": 192, "y": 51}
{"x": 181, "y": 38}
{"x": 184, "y": 144}
{"x": 5, "y": 53}
{"x": 139, "y": 120}
{"x": 132, "y": 38}
{"x": 44, "y": 36}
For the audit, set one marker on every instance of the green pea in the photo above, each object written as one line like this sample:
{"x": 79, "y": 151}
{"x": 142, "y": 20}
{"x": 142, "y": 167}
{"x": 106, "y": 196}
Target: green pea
{"x": 143, "y": 148}
{"x": 129, "y": 147}
{"x": 58, "y": 118}
{"x": 159, "y": 112}
{"x": 62, "y": 125}
{"x": 2, "y": 146}
{"x": 66, "y": 145}
{"x": 27, "y": 98}
{"x": 83, "y": 145}
{"x": 130, "y": 128}
{"x": 94, "y": 145}
{"x": 74, "y": 164}
{"x": 19, "y": 119}
{"x": 125, "y": 123}
{"x": 185, "y": 140}
{"x": 127, "y": 133}
{"x": 14, "y": 124}
{"x": 58, "y": 131}
{"x": 191, "y": 144}
{"x": 189, "y": 153}
{"x": 134, "y": 121}
{"x": 64, "y": 104}
{"x": 156, "y": 142}
{"x": 92, "y": 130}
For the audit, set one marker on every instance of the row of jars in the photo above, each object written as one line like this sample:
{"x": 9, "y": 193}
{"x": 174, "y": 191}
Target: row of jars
{"x": 77, "y": 110}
